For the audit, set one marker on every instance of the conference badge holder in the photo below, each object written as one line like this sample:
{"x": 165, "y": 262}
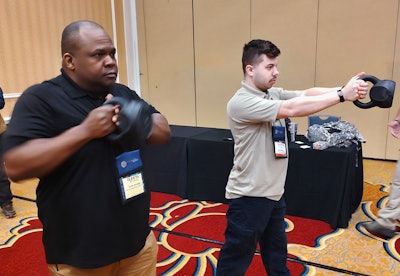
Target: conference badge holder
{"x": 131, "y": 182}
{"x": 279, "y": 140}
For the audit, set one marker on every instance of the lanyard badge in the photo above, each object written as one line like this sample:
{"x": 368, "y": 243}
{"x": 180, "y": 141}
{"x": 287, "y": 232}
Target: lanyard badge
{"x": 131, "y": 182}
{"x": 279, "y": 140}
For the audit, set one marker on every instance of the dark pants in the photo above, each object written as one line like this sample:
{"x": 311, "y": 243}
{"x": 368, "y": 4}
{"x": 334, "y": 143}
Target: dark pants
{"x": 252, "y": 221}
{"x": 5, "y": 191}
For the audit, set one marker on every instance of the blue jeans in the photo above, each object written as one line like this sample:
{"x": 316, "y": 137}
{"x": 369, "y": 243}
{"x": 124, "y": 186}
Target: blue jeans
{"x": 5, "y": 191}
{"x": 253, "y": 220}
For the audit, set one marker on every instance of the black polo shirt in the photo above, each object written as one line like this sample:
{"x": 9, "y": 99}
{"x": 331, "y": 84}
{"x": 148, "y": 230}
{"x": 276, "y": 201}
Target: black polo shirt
{"x": 79, "y": 204}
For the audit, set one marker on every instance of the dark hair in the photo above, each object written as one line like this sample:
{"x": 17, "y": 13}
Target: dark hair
{"x": 255, "y": 48}
{"x": 70, "y": 35}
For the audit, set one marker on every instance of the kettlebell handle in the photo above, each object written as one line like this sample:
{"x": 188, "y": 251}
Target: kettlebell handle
{"x": 116, "y": 101}
{"x": 119, "y": 132}
{"x": 370, "y": 78}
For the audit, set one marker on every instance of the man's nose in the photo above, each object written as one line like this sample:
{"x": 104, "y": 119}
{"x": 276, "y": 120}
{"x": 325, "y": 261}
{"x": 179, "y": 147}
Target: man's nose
{"x": 110, "y": 60}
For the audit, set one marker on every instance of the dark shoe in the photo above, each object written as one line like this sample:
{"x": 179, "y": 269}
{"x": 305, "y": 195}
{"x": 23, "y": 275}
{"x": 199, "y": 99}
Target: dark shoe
{"x": 376, "y": 229}
{"x": 8, "y": 210}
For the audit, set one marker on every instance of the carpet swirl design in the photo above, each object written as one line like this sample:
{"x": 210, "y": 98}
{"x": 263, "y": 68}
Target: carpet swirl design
{"x": 190, "y": 235}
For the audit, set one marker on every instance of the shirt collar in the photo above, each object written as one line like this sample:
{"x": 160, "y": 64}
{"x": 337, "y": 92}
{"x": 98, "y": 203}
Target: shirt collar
{"x": 73, "y": 89}
{"x": 254, "y": 91}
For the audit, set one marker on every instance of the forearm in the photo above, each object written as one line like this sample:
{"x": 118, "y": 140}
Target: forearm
{"x": 38, "y": 157}
{"x": 318, "y": 98}
{"x": 161, "y": 132}
{"x": 303, "y": 106}
{"x": 319, "y": 90}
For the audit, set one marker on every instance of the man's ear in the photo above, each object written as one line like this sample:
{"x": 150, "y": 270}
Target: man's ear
{"x": 68, "y": 61}
{"x": 249, "y": 70}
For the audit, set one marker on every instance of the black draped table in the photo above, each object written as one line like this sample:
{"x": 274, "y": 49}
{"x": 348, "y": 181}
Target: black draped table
{"x": 324, "y": 184}
{"x": 321, "y": 184}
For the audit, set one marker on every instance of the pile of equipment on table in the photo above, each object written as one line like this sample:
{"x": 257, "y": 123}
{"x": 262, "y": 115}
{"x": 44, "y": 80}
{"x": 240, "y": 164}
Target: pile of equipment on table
{"x": 339, "y": 134}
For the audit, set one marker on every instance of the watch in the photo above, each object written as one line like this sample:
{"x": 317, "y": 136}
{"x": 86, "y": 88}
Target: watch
{"x": 340, "y": 94}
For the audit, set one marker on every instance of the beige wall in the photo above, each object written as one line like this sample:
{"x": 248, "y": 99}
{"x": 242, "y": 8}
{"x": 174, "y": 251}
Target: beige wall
{"x": 190, "y": 51}
{"x": 167, "y": 58}
{"x": 30, "y": 39}
{"x": 193, "y": 55}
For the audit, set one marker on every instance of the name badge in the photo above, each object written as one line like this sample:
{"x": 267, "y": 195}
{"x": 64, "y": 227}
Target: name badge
{"x": 279, "y": 140}
{"x": 131, "y": 181}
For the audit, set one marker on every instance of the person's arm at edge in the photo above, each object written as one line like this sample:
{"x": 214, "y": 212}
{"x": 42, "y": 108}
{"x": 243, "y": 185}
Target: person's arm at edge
{"x": 394, "y": 125}
{"x": 2, "y": 101}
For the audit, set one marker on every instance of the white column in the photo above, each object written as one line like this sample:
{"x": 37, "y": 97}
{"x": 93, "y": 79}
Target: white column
{"x": 131, "y": 45}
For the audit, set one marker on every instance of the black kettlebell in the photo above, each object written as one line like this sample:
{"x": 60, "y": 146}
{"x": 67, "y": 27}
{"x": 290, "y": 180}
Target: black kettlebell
{"x": 381, "y": 93}
{"x": 135, "y": 123}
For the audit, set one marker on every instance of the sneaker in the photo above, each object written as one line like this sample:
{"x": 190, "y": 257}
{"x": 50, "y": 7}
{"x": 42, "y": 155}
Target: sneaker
{"x": 8, "y": 210}
{"x": 376, "y": 229}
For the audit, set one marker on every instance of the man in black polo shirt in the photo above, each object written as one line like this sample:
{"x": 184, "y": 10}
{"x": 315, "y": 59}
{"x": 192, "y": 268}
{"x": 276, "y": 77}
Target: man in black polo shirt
{"x": 94, "y": 216}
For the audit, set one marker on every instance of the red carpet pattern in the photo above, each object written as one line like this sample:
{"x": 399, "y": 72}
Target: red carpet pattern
{"x": 190, "y": 235}
{"x": 22, "y": 253}
{"x": 203, "y": 224}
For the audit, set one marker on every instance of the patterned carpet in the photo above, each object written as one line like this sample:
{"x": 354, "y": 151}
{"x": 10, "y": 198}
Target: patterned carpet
{"x": 345, "y": 249}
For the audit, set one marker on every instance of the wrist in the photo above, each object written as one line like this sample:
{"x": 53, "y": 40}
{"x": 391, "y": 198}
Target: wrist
{"x": 340, "y": 94}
